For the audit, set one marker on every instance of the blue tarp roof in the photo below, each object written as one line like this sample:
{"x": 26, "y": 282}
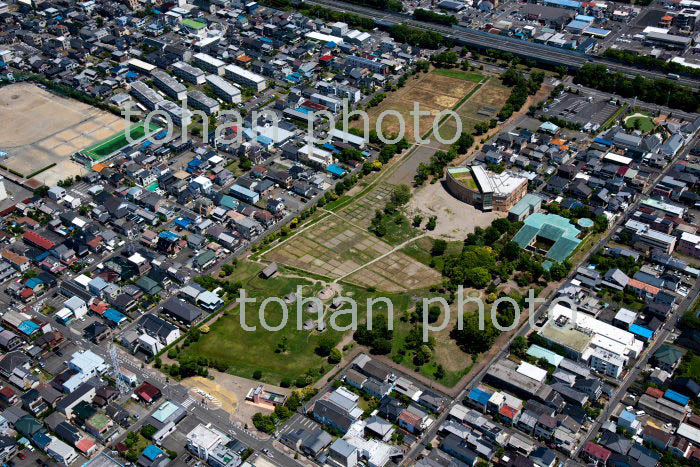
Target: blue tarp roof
{"x": 113, "y": 315}
{"x": 183, "y": 222}
{"x": 169, "y": 235}
{"x": 33, "y": 282}
{"x": 602, "y": 141}
{"x": 641, "y": 331}
{"x": 674, "y": 396}
{"x": 28, "y": 327}
{"x": 335, "y": 169}
{"x": 479, "y": 396}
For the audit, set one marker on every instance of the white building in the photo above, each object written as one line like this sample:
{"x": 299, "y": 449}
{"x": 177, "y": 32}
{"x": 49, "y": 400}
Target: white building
{"x": 77, "y": 306}
{"x": 61, "y": 452}
{"x": 169, "y": 85}
{"x": 225, "y": 90}
{"x": 607, "y": 363}
{"x": 202, "y": 440}
{"x": 209, "y": 63}
{"x": 245, "y": 78}
{"x": 189, "y": 73}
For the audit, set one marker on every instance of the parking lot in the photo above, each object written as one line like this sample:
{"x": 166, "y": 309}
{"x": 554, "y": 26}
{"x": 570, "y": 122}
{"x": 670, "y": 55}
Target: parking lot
{"x": 580, "y": 109}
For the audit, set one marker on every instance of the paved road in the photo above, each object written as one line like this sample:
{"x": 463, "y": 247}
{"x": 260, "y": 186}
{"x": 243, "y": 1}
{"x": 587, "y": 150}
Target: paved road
{"x": 472, "y": 37}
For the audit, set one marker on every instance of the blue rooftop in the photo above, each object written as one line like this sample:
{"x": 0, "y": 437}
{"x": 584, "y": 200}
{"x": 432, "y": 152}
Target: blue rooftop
{"x": 479, "y": 396}
{"x": 168, "y": 235}
{"x": 603, "y": 141}
{"x": 335, "y": 169}
{"x": 33, "y": 282}
{"x": 183, "y": 222}
{"x": 28, "y": 327}
{"x": 676, "y": 397}
{"x": 152, "y": 451}
{"x": 628, "y": 416}
{"x": 114, "y": 316}
{"x": 641, "y": 331}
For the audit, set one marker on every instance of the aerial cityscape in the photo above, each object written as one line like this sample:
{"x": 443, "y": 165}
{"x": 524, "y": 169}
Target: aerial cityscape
{"x": 433, "y": 233}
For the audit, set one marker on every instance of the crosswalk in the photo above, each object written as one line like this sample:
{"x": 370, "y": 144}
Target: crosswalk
{"x": 189, "y": 401}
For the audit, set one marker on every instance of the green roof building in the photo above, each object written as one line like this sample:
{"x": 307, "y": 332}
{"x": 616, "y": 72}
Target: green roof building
{"x": 550, "y": 235}
{"x": 668, "y": 357}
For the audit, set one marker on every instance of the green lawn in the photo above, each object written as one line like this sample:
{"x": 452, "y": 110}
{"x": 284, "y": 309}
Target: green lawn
{"x": 118, "y": 141}
{"x": 643, "y": 123}
{"x": 473, "y": 76}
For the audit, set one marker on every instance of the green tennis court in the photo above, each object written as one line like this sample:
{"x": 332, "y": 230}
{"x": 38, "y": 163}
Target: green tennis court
{"x": 118, "y": 141}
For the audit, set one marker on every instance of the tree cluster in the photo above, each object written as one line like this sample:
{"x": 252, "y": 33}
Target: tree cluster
{"x": 432, "y": 17}
{"x": 656, "y": 91}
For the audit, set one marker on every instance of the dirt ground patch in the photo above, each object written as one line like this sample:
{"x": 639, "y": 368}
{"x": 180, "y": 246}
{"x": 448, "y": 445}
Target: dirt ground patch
{"x": 221, "y": 398}
{"x": 396, "y": 272}
{"x": 433, "y": 92}
{"x": 362, "y": 211}
{"x": 231, "y": 391}
{"x": 332, "y": 248}
{"x": 38, "y": 128}
{"x": 455, "y": 219}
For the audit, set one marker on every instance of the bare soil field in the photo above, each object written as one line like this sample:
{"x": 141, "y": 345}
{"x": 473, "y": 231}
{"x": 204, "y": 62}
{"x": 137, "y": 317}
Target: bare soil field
{"x": 332, "y": 248}
{"x": 396, "y": 272}
{"x": 433, "y": 92}
{"x": 38, "y": 128}
{"x": 361, "y": 211}
{"x": 455, "y": 219}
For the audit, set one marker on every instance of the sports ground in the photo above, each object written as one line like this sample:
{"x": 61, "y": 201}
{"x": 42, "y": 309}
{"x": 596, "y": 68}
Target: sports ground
{"x": 117, "y": 141}
{"x": 39, "y": 129}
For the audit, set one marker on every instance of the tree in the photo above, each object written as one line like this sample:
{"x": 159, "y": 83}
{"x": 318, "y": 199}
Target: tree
{"x": 511, "y": 251}
{"x": 257, "y": 374}
{"x": 434, "y": 313}
{"x": 417, "y": 220}
{"x": 401, "y": 195}
{"x": 519, "y": 346}
{"x": 439, "y": 247}
{"x": 478, "y": 277}
{"x": 147, "y": 431}
{"x": 335, "y": 356}
{"x": 325, "y": 345}
{"x": 473, "y": 340}
{"x": 439, "y": 372}
{"x": 432, "y": 223}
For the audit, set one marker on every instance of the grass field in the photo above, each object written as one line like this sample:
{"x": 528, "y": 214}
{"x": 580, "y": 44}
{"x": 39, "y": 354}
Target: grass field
{"x": 117, "y": 141}
{"x": 246, "y": 351}
{"x": 460, "y": 74}
{"x": 639, "y": 121}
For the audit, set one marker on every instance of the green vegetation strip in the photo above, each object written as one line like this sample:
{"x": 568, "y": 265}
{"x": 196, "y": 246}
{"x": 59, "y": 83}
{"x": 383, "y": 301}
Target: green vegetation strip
{"x": 459, "y": 74}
